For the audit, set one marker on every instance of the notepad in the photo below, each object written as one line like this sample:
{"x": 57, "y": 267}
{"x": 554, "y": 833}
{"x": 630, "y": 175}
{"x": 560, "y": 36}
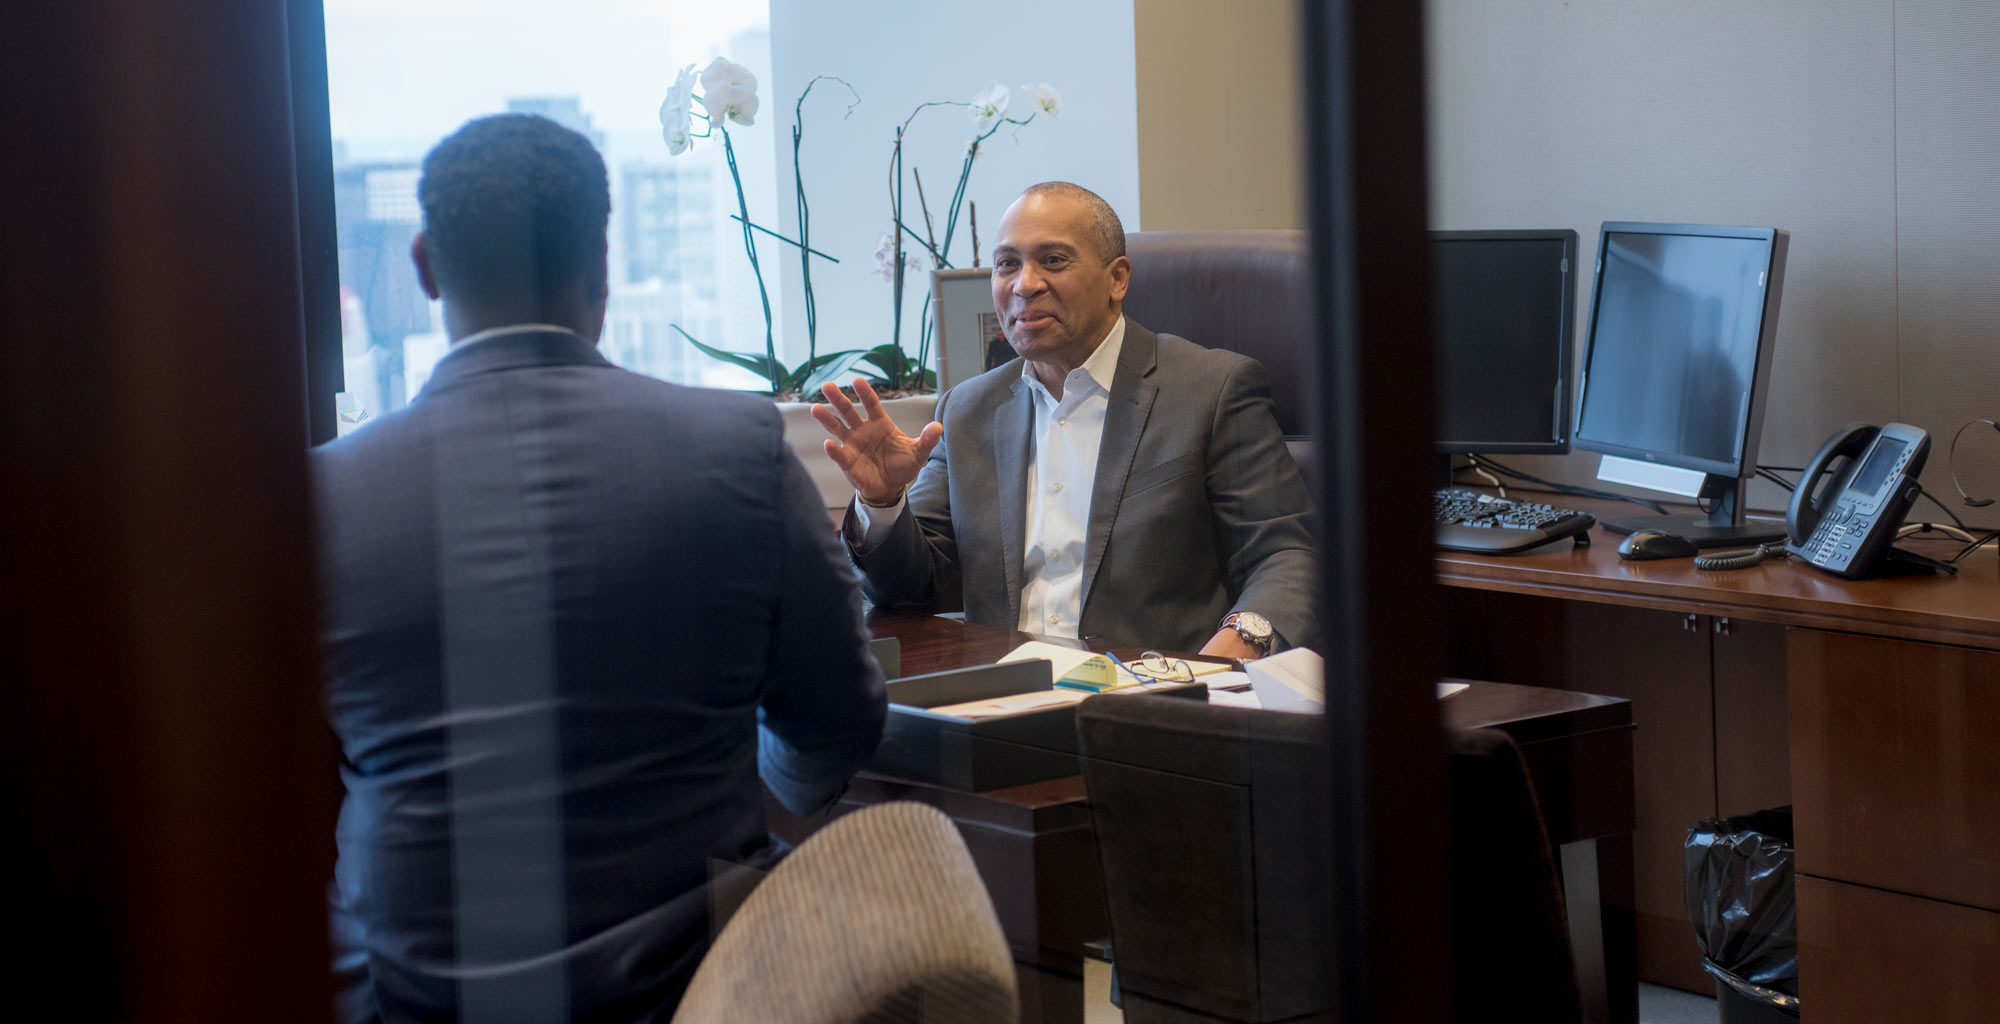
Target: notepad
{"x": 1072, "y": 669}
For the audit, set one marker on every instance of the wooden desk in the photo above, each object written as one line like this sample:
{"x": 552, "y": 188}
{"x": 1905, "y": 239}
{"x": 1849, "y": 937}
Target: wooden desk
{"x": 1873, "y": 707}
{"x": 1034, "y": 845}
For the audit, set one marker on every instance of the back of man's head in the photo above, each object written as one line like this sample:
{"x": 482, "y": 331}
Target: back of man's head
{"x": 515, "y": 209}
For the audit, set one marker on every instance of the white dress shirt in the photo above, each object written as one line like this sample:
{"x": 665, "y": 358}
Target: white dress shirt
{"x": 1062, "y": 473}
{"x": 501, "y": 332}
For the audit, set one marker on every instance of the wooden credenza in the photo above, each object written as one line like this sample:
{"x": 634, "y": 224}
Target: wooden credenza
{"x": 1872, "y": 707}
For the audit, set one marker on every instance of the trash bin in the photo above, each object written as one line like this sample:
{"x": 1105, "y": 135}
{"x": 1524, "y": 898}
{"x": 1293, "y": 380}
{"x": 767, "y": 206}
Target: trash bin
{"x": 1740, "y": 898}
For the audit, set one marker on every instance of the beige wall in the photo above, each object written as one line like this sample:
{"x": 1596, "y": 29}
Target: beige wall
{"x": 1218, "y": 114}
{"x": 1868, "y": 128}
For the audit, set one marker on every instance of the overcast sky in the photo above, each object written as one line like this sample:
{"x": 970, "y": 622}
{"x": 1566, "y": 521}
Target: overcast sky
{"x": 404, "y": 73}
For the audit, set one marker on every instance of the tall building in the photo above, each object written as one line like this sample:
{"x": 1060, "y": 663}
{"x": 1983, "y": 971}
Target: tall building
{"x": 563, "y": 110}
{"x": 376, "y": 217}
{"x": 667, "y": 221}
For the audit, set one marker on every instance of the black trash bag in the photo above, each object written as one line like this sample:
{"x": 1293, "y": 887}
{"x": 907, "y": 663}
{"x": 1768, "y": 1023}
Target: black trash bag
{"x": 1740, "y": 897}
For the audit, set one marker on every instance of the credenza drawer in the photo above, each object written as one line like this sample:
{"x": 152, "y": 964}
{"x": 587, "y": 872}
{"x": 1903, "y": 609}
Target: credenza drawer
{"x": 1895, "y": 750}
{"x": 1868, "y": 957}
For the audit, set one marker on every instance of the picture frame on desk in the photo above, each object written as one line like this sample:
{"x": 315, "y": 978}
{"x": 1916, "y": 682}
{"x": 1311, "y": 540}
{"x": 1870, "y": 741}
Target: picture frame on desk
{"x": 969, "y": 338}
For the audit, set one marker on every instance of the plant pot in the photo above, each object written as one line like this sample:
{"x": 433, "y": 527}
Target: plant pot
{"x": 805, "y": 435}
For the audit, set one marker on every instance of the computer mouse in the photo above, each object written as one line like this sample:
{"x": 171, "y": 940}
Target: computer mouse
{"x": 1645, "y": 545}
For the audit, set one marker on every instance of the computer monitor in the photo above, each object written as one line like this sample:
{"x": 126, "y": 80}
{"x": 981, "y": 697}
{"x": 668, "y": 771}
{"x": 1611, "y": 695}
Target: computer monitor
{"x": 1503, "y": 312}
{"x": 1677, "y": 362}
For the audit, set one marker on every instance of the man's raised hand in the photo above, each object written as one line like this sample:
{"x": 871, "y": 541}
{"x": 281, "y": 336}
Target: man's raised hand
{"x": 878, "y": 459}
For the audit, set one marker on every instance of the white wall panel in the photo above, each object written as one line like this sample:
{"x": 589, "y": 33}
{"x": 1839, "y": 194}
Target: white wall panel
{"x": 1948, "y": 228}
{"x": 1801, "y": 114}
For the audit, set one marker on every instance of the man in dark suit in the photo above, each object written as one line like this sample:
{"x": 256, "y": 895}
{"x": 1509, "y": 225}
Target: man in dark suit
{"x": 1110, "y": 483}
{"x": 572, "y": 615}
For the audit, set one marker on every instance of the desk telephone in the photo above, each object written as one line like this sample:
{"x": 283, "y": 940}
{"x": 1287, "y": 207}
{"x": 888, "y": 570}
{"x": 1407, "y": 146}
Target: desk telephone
{"x": 1852, "y": 498}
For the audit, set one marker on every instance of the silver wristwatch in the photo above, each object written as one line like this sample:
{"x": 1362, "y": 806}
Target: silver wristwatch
{"x": 1253, "y": 628}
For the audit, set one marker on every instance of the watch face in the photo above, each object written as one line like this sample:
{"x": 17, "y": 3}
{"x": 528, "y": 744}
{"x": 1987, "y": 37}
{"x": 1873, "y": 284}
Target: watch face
{"x": 1251, "y": 627}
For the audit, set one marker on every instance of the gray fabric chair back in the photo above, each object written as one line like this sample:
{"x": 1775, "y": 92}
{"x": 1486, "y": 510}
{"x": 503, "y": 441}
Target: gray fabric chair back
{"x": 1210, "y": 827}
{"x": 878, "y": 918}
{"x": 1245, "y": 291}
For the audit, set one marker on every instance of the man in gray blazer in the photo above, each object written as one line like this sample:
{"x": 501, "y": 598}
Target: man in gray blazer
{"x": 572, "y": 614}
{"x": 1111, "y": 483}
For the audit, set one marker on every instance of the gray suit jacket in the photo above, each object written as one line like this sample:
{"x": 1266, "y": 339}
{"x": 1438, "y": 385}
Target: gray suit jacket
{"x": 572, "y": 614}
{"x": 1198, "y": 509}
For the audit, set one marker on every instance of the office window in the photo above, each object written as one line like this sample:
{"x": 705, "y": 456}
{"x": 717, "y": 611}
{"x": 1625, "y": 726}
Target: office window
{"x": 402, "y": 75}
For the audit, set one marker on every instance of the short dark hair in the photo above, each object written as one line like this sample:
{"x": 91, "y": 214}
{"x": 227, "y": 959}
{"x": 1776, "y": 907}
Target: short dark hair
{"x": 514, "y": 205}
{"x": 1105, "y": 230}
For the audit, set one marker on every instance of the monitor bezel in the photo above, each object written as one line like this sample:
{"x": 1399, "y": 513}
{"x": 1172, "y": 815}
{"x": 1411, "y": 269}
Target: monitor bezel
{"x": 1566, "y": 344}
{"x": 1777, "y": 242}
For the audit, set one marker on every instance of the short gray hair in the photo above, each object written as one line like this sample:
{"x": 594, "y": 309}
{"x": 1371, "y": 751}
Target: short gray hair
{"x": 1105, "y": 230}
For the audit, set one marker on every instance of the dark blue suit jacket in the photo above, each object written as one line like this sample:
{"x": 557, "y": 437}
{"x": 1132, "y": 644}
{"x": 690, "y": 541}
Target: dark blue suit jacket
{"x": 572, "y": 614}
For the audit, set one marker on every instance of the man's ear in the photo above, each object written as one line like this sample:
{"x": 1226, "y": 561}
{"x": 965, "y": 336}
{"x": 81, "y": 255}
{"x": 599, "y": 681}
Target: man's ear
{"x": 420, "y": 254}
{"x": 1121, "y": 278}
{"x": 600, "y": 269}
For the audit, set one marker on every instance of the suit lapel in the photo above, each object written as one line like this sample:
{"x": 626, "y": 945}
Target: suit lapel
{"x": 1011, "y": 422}
{"x": 1131, "y": 402}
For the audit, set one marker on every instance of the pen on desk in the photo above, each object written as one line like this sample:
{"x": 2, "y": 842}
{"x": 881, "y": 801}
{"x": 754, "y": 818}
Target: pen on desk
{"x": 1120, "y": 662}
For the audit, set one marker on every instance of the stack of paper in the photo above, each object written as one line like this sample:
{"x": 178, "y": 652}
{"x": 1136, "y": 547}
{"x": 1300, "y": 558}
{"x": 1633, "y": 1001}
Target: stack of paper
{"x": 1013, "y": 703}
{"x": 1294, "y": 680}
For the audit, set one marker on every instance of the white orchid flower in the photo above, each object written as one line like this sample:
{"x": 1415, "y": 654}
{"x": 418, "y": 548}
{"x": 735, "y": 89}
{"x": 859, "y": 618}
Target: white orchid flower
{"x": 729, "y": 92}
{"x": 885, "y": 259}
{"x": 1046, "y": 98}
{"x": 676, "y": 125}
{"x": 989, "y": 105}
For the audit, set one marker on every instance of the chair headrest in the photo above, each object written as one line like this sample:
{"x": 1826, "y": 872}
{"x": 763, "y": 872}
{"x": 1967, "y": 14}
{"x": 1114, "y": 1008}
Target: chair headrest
{"x": 1244, "y": 291}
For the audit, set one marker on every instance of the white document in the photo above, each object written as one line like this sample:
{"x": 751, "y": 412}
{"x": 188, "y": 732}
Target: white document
{"x": 1294, "y": 680}
{"x": 1226, "y": 681}
{"x": 1234, "y": 699}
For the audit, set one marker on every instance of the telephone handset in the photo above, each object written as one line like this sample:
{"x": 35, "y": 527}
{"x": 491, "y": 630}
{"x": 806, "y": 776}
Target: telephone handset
{"x": 1853, "y": 497}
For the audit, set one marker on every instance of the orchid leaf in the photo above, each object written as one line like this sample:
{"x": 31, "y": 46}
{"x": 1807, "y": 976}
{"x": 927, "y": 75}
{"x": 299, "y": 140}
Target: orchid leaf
{"x": 829, "y": 367}
{"x": 762, "y": 366}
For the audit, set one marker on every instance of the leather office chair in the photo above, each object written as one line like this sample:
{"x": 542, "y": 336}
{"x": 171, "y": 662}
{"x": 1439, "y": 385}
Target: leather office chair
{"x": 1244, "y": 291}
{"x": 879, "y": 917}
{"x": 1207, "y": 822}
{"x": 1209, "y": 825}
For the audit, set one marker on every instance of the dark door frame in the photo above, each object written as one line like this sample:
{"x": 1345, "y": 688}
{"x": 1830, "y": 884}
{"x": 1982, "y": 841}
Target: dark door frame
{"x": 1363, "y": 97}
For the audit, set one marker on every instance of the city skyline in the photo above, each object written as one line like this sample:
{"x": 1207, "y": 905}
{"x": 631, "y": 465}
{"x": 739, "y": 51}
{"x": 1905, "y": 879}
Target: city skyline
{"x": 667, "y": 269}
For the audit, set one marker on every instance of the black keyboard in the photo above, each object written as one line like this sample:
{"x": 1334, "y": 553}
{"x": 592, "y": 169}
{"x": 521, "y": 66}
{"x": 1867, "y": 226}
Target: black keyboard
{"x": 1482, "y": 523}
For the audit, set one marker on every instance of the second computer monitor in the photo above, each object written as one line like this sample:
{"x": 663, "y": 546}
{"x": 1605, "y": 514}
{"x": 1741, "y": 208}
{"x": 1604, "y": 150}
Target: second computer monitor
{"x": 1503, "y": 307}
{"x": 1678, "y": 360}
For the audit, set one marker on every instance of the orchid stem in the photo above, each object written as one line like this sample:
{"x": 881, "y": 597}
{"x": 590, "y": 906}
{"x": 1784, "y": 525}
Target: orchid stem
{"x": 787, "y": 241}
{"x": 942, "y": 263}
{"x": 750, "y": 247}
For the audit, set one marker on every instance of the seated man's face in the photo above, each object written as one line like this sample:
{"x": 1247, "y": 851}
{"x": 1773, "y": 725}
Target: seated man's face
{"x": 1056, "y": 296}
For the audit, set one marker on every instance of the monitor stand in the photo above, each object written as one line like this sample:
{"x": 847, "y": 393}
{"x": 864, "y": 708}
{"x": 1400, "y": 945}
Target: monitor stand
{"x": 1723, "y": 526}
